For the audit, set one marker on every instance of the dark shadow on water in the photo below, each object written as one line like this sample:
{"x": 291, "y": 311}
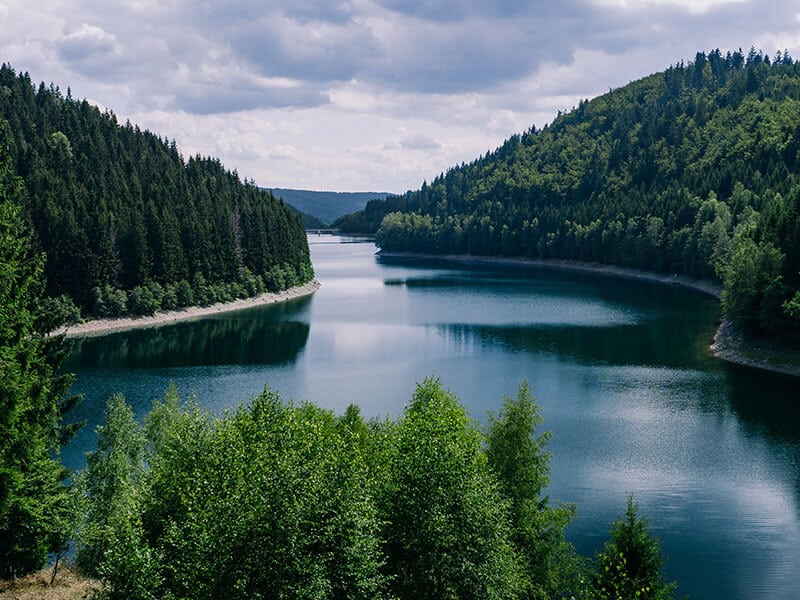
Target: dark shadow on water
{"x": 504, "y": 273}
{"x": 769, "y": 403}
{"x": 640, "y": 295}
{"x": 653, "y": 342}
{"x": 205, "y": 342}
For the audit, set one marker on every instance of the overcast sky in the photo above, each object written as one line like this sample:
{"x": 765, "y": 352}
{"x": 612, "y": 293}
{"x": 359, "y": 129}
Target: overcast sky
{"x": 364, "y": 95}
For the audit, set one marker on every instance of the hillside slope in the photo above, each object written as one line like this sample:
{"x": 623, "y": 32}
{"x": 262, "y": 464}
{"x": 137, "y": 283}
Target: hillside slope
{"x": 309, "y": 221}
{"x": 326, "y": 206}
{"x": 691, "y": 171}
{"x": 117, "y": 209}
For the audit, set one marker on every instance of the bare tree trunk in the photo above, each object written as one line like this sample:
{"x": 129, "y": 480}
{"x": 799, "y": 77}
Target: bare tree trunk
{"x": 55, "y": 569}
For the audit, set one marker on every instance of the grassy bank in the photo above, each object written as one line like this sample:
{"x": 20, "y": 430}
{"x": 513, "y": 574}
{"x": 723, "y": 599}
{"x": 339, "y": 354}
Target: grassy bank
{"x": 67, "y": 585}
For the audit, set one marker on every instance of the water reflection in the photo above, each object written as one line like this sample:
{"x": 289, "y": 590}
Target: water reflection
{"x": 207, "y": 342}
{"x": 768, "y": 403}
{"x": 652, "y": 343}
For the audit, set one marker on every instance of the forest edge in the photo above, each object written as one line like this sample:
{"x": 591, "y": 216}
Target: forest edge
{"x": 97, "y": 327}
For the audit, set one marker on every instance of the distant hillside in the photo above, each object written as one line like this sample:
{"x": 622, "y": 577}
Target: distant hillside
{"x": 694, "y": 170}
{"x": 327, "y": 206}
{"x": 309, "y": 221}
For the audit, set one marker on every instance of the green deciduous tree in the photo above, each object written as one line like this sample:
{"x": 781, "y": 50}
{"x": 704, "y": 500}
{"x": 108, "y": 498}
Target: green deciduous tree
{"x": 447, "y": 531}
{"x": 792, "y": 307}
{"x": 753, "y": 283}
{"x": 110, "y": 494}
{"x": 277, "y": 506}
{"x": 517, "y": 454}
{"x": 269, "y": 501}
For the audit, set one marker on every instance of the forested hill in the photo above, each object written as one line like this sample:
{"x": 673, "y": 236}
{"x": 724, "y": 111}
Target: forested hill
{"x": 693, "y": 171}
{"x": 326, "y": 206}
{"x": 126, "y": 223}
{"x": 309, "y": 221}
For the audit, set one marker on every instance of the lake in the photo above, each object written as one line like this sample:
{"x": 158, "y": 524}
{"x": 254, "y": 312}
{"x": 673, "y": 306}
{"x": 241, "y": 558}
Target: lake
{"x": 621, "y": 370}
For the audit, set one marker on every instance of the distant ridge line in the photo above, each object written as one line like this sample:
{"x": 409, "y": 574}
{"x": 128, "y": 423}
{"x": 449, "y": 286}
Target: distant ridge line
{"x": 326, "y": 206}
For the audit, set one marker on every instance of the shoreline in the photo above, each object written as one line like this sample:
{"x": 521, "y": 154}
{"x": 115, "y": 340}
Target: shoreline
{"x": 699, "y": 285}
{"x": 727, "y": 344}
{"x": 98, "y": 327}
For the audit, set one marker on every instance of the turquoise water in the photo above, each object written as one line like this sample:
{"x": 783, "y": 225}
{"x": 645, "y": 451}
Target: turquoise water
{"x": 621, "y": 370}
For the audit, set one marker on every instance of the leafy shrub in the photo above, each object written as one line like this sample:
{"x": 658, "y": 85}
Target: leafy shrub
{"x": 291, "y": 278}
{"x": 275, "y": 279}
{"x": 157, "y": 290}
{"x": 260, "y": 285}
{"x": 249, "y": 282}
{"x": 59, "y": 311}
{"x": 109, "y": 301}
{"x": 169, "y": 300}
{"x": 306, "y": 272}
{"x": 141, "y": 301}
{"x": 184, "y": 293}
{"x": 202, "y": 293}
{"x": 239, "y": 291}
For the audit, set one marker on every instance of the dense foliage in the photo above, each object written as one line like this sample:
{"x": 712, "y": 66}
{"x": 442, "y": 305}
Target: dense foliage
{"x": 278, "y": 500}
{"x": 693, "y": 171}
{"x": 447, "y": 533}
{"x": 34, "y": 506}
{"x": 517, "y": 455}
{"x": 126, "y": 223}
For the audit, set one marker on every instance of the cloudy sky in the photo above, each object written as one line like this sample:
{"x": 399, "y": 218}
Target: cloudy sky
{"x": 364, "y": 95}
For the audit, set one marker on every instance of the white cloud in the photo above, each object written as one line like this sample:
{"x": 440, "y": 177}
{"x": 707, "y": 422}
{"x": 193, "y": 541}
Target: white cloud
{"x": 283, "y": 152}
{"x": 419, "y": 141}
{"x": 86, "y": 41}
{"x": 147, "y": 7}
{"x": 692, "y": 6}
{"x": 364, "y": 94}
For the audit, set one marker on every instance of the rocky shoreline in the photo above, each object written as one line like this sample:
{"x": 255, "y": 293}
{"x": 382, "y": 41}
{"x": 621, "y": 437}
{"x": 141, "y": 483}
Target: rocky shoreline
{"x": 731, "y": 346}
{"x": 97, "y": 327}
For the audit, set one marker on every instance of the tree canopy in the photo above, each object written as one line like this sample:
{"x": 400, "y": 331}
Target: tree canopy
{"x": 631, "y": 562}
{"x": 282, "y": 500}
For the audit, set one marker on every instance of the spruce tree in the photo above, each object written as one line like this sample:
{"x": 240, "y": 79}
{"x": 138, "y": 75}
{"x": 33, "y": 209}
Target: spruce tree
{"x": 33, "y": 499}
{"x": 631, "y": 563}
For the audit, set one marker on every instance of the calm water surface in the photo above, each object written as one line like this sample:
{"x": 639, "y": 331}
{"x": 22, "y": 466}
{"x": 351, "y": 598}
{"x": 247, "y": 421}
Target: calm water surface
{"x": 621, "y": 370}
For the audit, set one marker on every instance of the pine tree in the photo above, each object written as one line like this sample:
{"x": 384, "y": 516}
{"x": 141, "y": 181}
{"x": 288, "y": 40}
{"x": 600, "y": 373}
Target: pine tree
{"x": 631, "y": 563}
{"x": 33, "y": 499}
